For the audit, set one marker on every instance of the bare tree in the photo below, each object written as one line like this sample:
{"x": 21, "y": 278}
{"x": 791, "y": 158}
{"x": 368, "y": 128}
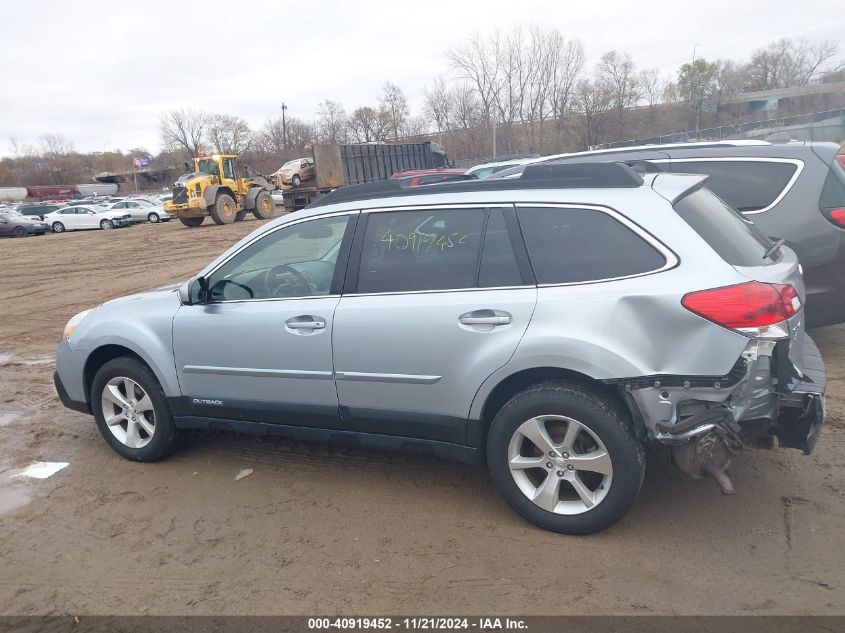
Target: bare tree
{"x": 394, "y": 107}
{"x": 566, "y": 65}
{"x": 183, "y": 130}
{"x": 787, "y": 63}
{"x": 331, "y": 123}
{"x": 618, "y": 72}
{"x": 367, "y": 124}
{"x": 595, "y": 100}
{"x": 54, "y": 145}
{"x": 652, "y": 86}
{"x": 228, "y": 134}
{"x": 437, "y": 106}
{"x": 300, "y": 133}
{"x": 477, "y": 62}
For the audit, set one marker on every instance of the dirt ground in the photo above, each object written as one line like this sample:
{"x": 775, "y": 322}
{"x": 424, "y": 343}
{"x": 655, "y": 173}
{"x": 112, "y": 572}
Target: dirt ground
{"x": 318, "y": 530}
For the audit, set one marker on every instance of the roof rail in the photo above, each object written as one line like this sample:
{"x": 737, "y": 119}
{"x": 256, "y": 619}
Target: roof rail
{"x": 558, "y": 176}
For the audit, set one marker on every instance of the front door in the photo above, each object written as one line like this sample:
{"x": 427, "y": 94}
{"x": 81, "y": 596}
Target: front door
{"x": 259, "y": 347}
{"x": 440, "y": 302}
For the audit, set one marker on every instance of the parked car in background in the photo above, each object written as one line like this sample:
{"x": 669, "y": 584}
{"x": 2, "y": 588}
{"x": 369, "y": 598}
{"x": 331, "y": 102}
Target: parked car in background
{"x": 141, "y": 210}
{"x": 38, "y": 210}
{"x": 278, "y": 197}
{"x": 792, "y": 190}
{"x": 17, "y": 225}
{"x": 488, "y": 169}
{"x": 296, "y": 171}
{"x": 560, "y": 323}
{"x": 72, "y": 218}
{"x": 415, "y": 177}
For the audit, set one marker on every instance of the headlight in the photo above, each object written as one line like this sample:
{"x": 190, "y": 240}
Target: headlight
{"x": 76, "y": 320}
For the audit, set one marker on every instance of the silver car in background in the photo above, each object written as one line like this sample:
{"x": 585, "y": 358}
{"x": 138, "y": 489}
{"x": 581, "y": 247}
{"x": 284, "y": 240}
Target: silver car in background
{"x": 553, "y": 326}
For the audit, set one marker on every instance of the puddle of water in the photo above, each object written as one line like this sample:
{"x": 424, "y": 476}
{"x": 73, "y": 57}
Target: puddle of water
{"x": 12, "y": 499}
{"x": 5, "y": 359}
{"x": 41, "y": 470}
{"x": 11, "y": 359}
{"x": 8, "y": 416}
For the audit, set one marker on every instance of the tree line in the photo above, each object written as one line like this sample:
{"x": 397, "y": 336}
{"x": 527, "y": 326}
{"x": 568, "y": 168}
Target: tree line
{"x": 528, "y": 89}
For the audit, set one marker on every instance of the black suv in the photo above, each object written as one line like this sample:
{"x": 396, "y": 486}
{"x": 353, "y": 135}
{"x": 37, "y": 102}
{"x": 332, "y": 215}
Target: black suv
{"x": 39, "y": 209}
{"x": 793, "y": 190}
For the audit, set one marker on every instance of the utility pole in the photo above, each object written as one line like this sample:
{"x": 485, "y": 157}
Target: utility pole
{"x": 284, "y": 127}
{"x": 693, "y": 78}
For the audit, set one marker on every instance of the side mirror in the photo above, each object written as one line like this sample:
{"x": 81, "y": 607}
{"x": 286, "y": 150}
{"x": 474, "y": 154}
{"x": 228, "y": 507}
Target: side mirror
{"x": 185, "y": 294}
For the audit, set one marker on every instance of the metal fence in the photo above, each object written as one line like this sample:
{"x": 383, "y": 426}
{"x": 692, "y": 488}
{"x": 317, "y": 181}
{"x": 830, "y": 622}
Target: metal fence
{"x": 729, "y": 131}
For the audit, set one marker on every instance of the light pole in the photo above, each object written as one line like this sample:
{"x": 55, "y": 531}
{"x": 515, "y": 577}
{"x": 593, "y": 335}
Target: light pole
{"x": 693, "y": 77}
{"x": 284, "y": 128}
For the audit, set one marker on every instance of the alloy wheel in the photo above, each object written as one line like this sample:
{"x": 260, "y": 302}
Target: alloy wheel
{"x": 128, "y": 412}
{"x": 560, "y": 464}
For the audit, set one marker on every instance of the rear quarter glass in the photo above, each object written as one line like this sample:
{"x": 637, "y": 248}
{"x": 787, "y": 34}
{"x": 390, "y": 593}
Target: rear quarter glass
{"x": 734, "y": 238}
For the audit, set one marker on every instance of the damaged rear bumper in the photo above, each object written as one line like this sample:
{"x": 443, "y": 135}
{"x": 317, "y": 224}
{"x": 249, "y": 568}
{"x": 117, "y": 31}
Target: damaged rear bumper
{"x": 765, "y": 394}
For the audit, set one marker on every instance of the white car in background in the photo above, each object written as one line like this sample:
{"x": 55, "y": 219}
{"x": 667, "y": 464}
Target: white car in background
{"x": 485, "y": 170}
{"x": 142, "y": 210}
{"x": 278, "y": 197}
{"x": 86, "y": 217}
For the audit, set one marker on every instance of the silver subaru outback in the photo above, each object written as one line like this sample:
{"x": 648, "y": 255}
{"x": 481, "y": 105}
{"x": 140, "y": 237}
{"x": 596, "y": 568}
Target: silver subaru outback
{"x": 554, "y": 326}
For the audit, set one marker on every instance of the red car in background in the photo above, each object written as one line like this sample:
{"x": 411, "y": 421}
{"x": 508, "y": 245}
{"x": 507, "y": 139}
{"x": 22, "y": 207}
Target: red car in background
{"x": 427, "y": 176}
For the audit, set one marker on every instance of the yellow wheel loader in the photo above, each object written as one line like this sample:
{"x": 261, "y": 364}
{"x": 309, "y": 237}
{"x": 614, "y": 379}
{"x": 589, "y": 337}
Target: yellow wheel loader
{"x": 213, "y": 188}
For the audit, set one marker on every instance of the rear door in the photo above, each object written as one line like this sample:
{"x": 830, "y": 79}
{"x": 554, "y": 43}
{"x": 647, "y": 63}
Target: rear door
{"x": 437, "y": 300}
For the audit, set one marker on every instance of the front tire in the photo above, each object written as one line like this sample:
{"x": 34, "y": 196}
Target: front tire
{"x": 58, "y": 227}
{"x": 131, "y": 410}
{"x": 240, "y": 215}
{"x": 296, "y": 180}
{"x": 154, "y": 218}
{"x": 565, "y": 458}
{"x": 20, "y": 232}
{"x": 263, "y": 206}
{"x": 106, "y": 225}
{"x": 223, "y": 211}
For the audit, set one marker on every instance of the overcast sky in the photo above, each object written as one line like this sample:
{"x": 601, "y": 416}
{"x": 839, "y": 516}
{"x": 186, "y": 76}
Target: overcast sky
{"x": 101, "y": 73}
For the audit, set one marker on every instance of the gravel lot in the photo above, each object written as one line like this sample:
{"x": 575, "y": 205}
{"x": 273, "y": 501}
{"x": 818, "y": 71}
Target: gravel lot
{"x": 320, "y": 529}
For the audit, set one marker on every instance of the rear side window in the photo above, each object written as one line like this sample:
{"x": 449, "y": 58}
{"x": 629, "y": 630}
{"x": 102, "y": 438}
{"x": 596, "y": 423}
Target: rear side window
{"x": 576, "y": 245}
{"x": 421, "y": 250}
{"x": 833, "y": 192}
{"x": 745, "y": 185}
{"x": 734, "y": 238}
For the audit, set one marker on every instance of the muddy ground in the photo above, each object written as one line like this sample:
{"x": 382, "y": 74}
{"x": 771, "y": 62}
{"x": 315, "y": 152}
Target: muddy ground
{"x": 318, "y": 529}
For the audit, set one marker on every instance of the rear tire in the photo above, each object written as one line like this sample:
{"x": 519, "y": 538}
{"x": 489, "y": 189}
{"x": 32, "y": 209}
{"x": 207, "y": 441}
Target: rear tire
{"x": 240, "y": 215}
{"x": 140, "y": 426}
{"x": 58, "y": 227}
{"x": 106, "y": 225}
{"x": 20, "y": 232}
{"x": 223, "y": 211}
{"x": 191, "y": 222}
{"x": 154, "y": 218}
{"x": 589, "y": 463}
{"x": 263, "y": 206}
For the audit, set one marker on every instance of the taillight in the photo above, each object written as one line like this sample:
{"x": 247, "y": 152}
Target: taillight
{"x": 837, "y": 216}
{"x": 840, "y": 158}
{"x": 754, "y": 308}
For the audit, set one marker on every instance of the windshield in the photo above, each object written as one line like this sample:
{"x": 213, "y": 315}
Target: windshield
{"x": 208, "y": 166}
{"x": 292, "y": 164}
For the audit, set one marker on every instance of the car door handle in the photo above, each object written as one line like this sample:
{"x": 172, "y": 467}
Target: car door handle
{"x": 485, "y": 317}
{"x": 306, "y": 323}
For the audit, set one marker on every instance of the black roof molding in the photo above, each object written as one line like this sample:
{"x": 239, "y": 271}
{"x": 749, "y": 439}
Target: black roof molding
{"x": 591, "y": 175}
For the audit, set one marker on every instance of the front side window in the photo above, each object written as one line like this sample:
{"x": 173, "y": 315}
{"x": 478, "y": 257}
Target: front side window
{"x": 745, "y": 185}
{"x": 229, "y": 168}
{"x": 294, "y": 261}
{"x": 434, "y": 249}
{"x": 570, "y": 245}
